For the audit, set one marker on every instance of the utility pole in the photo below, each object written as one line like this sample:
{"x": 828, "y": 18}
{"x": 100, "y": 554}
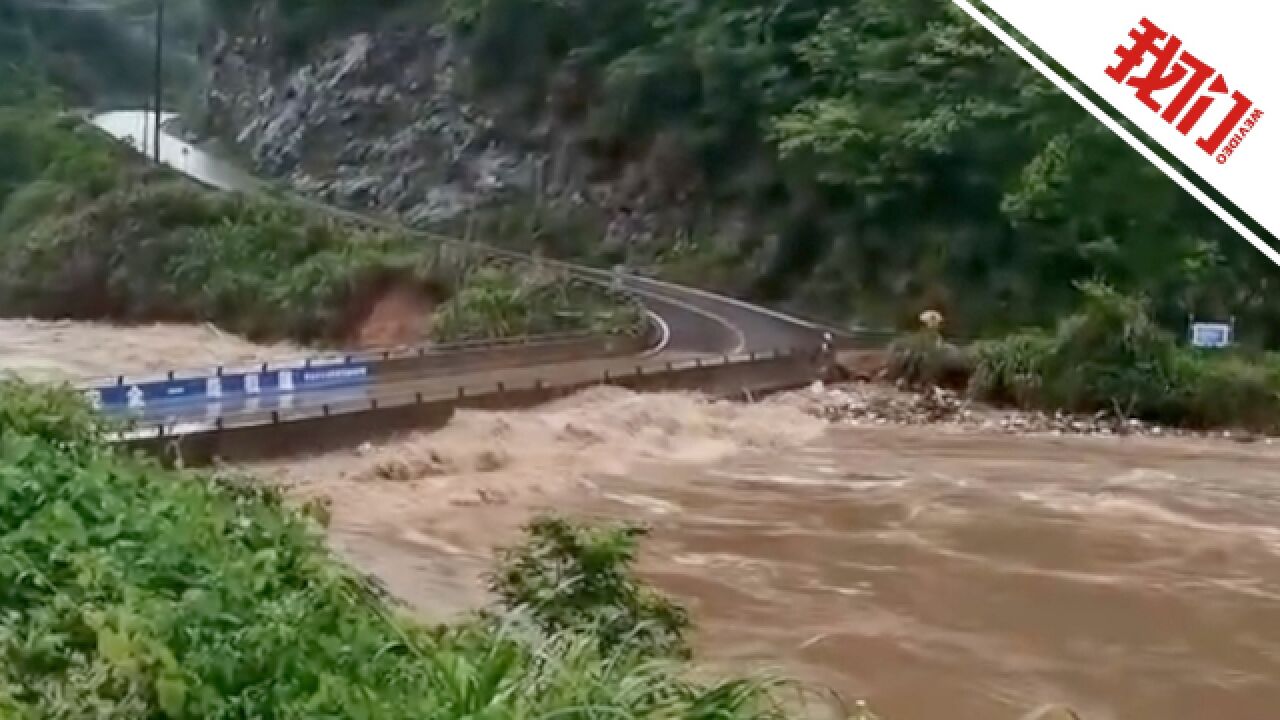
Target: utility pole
{"x": 159, "y": 76}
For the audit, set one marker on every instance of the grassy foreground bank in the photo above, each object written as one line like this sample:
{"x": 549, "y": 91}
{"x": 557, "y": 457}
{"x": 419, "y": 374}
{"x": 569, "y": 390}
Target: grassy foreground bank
{"x": 130, "y": 591}
{"x": 88, "y": 231}
{"x": 1111, "y": 357}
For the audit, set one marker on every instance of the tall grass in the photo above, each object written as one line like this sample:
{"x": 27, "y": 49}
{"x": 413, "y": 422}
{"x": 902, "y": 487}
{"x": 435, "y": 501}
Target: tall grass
{"x": 924, "y": 358}
{"x": 132, "y": 591}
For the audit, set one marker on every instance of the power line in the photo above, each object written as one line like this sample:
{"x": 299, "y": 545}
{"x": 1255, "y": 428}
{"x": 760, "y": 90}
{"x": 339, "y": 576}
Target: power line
{"x": 159, "y": 71}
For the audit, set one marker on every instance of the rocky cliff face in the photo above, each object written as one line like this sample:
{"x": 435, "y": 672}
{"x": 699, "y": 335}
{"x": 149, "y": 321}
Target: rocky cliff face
{"x": 371, "y": 121}
{"x": 383, "y": 120}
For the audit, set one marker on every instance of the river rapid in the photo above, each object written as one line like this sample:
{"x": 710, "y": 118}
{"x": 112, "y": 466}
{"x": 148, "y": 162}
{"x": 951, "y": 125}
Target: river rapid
{"x": 940, "y": 574}
{"x": 968, "y": 577}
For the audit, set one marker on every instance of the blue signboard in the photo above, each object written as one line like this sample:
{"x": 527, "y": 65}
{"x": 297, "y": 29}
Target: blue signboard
{"x": 272, "y": 389}
{"x": 1211, "y": 335}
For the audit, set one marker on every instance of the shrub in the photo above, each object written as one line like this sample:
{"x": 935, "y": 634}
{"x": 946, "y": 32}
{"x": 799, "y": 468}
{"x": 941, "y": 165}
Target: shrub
{"x": 1011, "y": 370}
{"x": 1110, "y": 356}
{"x": 1223, "y": 391}
{"x": 33, "y": 202}
{"x": 569, "y": 577}
{"x": 923, "y": 359}
{"x": 497, "y": 301}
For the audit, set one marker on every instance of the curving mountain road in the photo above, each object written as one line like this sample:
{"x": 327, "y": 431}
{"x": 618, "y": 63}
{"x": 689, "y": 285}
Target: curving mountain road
{"x": 698, "y": 324}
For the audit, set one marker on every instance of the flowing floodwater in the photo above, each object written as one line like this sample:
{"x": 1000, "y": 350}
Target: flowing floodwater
{"x": 938, "y": 574}
{"x": 76, "y": 351}
{"x": 957, "y": 577}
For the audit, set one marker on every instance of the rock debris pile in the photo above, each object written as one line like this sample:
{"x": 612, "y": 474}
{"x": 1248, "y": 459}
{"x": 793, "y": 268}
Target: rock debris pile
{"x": 880, "y": 404}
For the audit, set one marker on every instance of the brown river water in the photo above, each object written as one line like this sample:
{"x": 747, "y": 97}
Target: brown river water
{"x": 967, "y": 577}
{"x": 938, "y": 574}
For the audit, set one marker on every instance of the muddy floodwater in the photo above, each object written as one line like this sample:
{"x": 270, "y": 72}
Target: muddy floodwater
{"x": 939, "y": 574}
{"x": 967, "y": 577}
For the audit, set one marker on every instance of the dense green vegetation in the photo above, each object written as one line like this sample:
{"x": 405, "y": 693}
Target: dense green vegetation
{"x": 130, "y": 591}
{"x": 1109, "y": 357}
{"x": 87, "y": 231}
{"x": 1112, "y": 357}
{"x": 889, "y": 154}
{"x": 496, "y": 300}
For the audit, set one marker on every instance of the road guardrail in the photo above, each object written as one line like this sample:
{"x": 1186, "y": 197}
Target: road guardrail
{"x": 255, "y": 435}
{"x": 284, "y": 384}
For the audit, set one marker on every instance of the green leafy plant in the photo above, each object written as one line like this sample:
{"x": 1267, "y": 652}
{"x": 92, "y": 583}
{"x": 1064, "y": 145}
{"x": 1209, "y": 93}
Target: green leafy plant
{"x": 498, "y": 300}
{"x": 130, "y": 590}
{"x": 1010, "y": 370}
{"x": 924, "y": 359}
{"x": 570, "y": 577}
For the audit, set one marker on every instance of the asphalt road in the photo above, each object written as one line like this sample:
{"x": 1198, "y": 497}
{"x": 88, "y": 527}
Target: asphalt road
{"x": 699, "y": 324}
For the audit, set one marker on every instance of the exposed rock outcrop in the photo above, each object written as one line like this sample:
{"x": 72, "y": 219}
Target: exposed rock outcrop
{"x": 384, "y": 120}
{"x": 369, "y": 122}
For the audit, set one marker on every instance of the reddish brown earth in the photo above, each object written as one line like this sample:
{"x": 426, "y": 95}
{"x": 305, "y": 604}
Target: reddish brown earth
{"x": 399, "y": 315}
